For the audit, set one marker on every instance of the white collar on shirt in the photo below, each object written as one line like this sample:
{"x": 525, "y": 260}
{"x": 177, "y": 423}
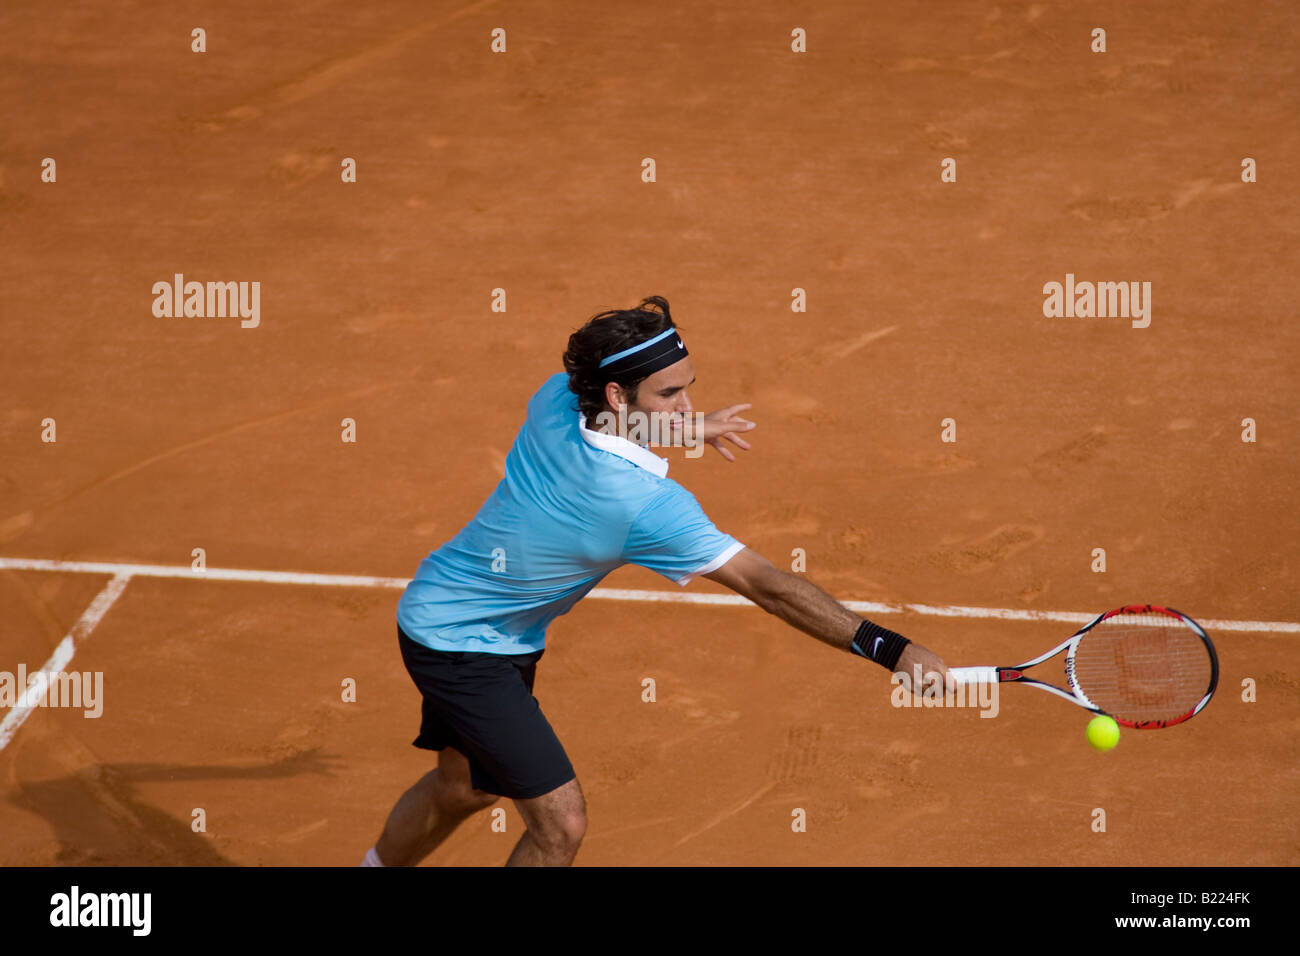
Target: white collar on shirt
{"x": 617, "y": 445}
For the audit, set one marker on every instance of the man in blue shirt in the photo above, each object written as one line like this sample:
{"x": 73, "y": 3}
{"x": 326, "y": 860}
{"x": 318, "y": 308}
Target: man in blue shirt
{"x": 577, "y": 501}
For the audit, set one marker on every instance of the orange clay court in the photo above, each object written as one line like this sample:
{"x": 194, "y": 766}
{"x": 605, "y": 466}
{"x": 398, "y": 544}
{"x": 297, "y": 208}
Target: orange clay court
{"x": 774, "y": 170}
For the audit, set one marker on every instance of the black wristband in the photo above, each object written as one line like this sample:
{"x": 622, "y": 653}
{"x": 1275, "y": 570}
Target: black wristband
{"x": 878, "y": 644}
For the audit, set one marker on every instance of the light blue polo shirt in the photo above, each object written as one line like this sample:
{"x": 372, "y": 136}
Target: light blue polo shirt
{"x": 574, "y": 505}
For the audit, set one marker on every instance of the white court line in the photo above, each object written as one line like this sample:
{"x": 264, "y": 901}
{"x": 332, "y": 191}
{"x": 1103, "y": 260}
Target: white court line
{"x": 607, "y": 594}
{"x": 62, "y": 656}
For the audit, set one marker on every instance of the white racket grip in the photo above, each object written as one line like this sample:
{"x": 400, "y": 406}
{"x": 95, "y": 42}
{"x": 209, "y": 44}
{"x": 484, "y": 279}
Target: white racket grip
{"x": 974, "y": 675}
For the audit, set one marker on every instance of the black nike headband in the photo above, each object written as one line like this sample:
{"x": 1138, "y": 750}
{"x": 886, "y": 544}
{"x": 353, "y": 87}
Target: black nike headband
{"x": 665, "y": 349}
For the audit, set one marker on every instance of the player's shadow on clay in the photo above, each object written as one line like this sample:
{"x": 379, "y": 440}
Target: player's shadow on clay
{"x": 99, "y": 820}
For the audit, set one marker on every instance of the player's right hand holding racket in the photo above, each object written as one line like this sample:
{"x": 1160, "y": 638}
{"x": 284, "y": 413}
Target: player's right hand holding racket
{"x": 918, "y": 659}
{"x": 1144, "y": 665}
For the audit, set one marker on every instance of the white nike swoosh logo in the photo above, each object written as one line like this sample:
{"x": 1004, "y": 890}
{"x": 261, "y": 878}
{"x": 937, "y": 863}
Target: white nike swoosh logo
{"x": 876, "y": 646}
{"x": 681, "y": 345}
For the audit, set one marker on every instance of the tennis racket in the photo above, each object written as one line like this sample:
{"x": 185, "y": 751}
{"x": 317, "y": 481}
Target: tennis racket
{"x": 1145, "y": 666}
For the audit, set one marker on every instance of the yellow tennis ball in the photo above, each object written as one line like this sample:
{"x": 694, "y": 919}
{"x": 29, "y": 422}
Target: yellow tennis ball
{"x": 1103, "y": 732}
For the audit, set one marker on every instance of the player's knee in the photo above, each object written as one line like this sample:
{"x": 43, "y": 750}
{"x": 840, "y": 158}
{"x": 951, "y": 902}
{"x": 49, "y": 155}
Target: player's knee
{"x": 563, "y": 831}
{"x": 575, "y": 827}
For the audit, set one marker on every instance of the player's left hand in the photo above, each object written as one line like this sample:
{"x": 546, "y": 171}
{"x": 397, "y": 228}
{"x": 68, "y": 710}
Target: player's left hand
{"x": 724, "y": 423}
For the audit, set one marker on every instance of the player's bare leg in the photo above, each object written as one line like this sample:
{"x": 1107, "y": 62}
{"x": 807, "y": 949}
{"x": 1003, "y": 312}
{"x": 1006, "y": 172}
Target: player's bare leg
{"x": 428, "y": 812}
{"x": 557, "y": 822}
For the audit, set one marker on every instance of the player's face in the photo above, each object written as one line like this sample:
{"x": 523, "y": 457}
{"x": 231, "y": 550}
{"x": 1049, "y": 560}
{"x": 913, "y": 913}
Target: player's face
{"x": 667, "y": 390}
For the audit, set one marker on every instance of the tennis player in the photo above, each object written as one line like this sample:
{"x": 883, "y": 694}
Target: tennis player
{"x": 577, "y": 501}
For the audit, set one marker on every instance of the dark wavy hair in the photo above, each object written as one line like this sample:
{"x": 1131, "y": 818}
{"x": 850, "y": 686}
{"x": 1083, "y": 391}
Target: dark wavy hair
{"x": 602, "y": 336}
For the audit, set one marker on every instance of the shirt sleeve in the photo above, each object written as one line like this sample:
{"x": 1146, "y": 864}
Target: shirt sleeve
{"x": 673, "y": 536}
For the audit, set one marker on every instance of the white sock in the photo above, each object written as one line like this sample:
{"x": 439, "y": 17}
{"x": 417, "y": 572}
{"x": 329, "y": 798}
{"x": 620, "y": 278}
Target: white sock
{"x": 372, "y": 858}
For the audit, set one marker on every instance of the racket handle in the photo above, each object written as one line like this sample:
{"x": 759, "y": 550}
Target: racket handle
{"x": 974, "y": 675}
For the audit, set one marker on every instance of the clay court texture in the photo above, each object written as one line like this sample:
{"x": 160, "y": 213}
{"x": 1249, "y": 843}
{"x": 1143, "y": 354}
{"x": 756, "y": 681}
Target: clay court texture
{"x": 774, "y": 171}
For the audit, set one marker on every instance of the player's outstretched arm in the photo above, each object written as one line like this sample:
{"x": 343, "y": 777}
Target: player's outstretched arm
{"x": 802, "y": 604}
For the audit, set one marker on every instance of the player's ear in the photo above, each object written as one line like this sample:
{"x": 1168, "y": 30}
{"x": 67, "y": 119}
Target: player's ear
{"x": 614, "y": 395}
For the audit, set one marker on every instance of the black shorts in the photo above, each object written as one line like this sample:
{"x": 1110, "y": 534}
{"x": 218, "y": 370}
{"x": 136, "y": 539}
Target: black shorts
{"x": 483, "y": 706}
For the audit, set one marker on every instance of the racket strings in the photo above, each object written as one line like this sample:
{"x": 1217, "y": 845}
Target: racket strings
{"x": 1143, "y": 667}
